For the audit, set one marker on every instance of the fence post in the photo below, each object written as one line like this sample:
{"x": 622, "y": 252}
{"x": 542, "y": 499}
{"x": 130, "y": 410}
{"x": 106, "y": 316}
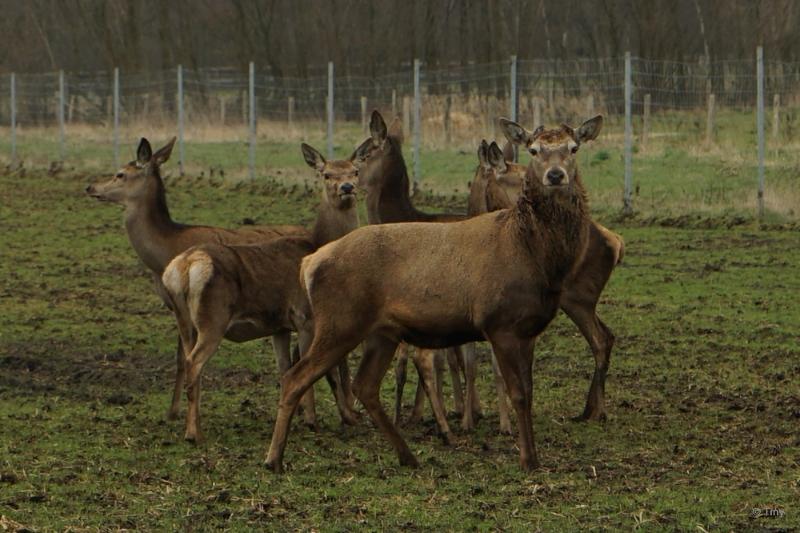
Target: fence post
{"x": 116, "y": 117}
{"x": 514, "y": 104}
{"x": 710, "y": 119}
{"x": 290, "y": 112}
{"x": 330, "y": 109}
{"x": 13, "y": 119}
{"x": 417, "y": 123}
{"x": 61, "y": 102}
{"x": 627, "y": 200}
{"x": 590, "y": 106}
{"x": 646, "y": 120}
{"x": 364, "y": 123}
{"x": 251, "y": 98}
{"x": 448, "y": 104}
{"x": 776, "y": 116}
{"x": 180, "y": 120}
{"x": 537, "y": 112}
{"x": 222, "y": 101}
{"x": 760, "y": 126}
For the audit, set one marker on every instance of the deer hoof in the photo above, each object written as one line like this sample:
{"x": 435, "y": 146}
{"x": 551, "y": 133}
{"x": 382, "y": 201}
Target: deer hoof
{"x": 408, "y": 459}
{"x": 447, "y": 438}
{"x": 276, "y": 466}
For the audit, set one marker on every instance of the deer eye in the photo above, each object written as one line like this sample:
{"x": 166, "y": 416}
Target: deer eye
{"x": 533, "y": 151}
{"x": 120, "y": 175}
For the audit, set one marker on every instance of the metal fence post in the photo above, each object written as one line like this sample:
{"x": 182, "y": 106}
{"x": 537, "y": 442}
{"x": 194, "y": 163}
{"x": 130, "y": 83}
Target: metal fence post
{"x": 61, "y": 101}
{"x": 13, "y": 118}
{"x": 181, "y": 160}
{"x": 116, "y": 116}
{"x": 417, "y": 124}
{"x": 251, "y": 98}
{"x": 627, "y": 200}
{"x": 330, "y": 109}
{"x": 760, "y": 126}
{"x": 513, "y": 111}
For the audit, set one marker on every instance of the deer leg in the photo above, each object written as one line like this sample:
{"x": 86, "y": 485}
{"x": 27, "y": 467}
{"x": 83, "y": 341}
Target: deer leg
{"x": 400, "y": 380}
{"x": 177, "y": 391}
{"x": 456, "y": 366}
{"x": 430, "y": 380}
{"x": 377, "y": 358}
{"x": 515, "y": 359}
{"x": 347, "y": 384}
{"x": 472, "y": 406}
{"x": 339, "y": 382}
{"x": 502, "y": 404}
{"x": 601, "y": 341}
{"x": 322, "y": 355}
{"x": 281, "y": 344}
{"x": 307, "y": 402}
{"x": 204, "y": 348}
{"x": 423, "y": 362}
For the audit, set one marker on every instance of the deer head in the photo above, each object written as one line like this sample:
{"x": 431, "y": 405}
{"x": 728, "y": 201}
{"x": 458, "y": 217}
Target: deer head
{"x": 382, "y": 142}
{"x": 338, "y": 177}
{"x": 138, "y": 179}
{"x": 553, "y": 165}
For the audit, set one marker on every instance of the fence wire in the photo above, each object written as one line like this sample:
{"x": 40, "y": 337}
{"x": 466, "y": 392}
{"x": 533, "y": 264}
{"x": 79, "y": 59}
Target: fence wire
{"x": 673, "y": 103}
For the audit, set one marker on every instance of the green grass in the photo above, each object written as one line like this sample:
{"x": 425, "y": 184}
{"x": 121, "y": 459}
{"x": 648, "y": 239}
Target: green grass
{"x": 703, "y": 395}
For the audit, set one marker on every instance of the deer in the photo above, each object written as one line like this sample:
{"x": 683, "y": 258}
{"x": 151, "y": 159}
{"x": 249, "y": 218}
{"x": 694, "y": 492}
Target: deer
{"x": 245, "y": 292}
{"x": 498, "y": 277}
{"x": 157, "y": 238}
{"x": 582, "y": 288}
{"x": 384, "y": 178}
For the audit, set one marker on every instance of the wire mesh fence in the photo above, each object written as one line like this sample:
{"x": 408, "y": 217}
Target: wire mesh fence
{"x": 705, "y": 110}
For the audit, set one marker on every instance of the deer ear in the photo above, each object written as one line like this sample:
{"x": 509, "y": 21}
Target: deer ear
{"x": 590, "y": 129}
{"x": 362, "y": 152}
{"x": 508, "y": 151}
{"x": 377, "y": 127}
{"x": 496, "y": 158}
{"x": 515, "y": 133}
{"x": 396, "y": 130}
{"x": 145, "y": 152}
{"x": 162, "y": 156}
{"x": 483, "y": 154}
{"x": 312, "y": 157}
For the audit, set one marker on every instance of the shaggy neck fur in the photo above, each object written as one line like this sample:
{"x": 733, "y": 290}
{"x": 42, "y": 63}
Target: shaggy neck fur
{"x": 553, "y": 224}
{"x": 387, "y": 198}
{"x": 333, "y": 222}
{"x": 148, "y": 222}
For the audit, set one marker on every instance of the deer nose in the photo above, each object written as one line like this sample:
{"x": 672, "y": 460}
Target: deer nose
{"x": 89, "y": 189}
{"x": 555, "y": 176}
{"x": 346, "y": 188}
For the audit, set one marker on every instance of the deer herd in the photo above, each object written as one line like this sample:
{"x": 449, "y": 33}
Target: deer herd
{"x": 439, "y": 283}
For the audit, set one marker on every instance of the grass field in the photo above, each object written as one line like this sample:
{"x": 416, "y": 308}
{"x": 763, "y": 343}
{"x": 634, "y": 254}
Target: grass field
{"x": 704, "y": 399}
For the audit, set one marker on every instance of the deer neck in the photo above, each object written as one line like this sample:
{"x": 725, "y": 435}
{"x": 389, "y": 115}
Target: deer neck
{"x": 388, "y": 200}
{"x": 333, "y": 223}
{"x": 150, "y": 228}
{"x": 554, "y": 227}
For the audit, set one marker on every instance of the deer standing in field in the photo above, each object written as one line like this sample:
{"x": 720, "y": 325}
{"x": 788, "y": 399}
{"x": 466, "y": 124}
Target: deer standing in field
{"x": 583, "y": 287}
{"x": 498, "y": 276}
{"x": 384, "y": 178}
{"x": 157, "y": 238}
{"x": 246, "y": 292}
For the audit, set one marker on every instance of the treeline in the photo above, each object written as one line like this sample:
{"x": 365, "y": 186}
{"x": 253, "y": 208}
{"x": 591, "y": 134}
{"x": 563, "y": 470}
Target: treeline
{"x": 298, "y": 37}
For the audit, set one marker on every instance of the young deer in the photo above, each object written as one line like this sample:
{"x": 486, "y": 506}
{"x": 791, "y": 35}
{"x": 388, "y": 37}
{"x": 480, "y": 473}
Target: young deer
{"x": 384, "y": 178}
{"x": 157, "y": 239}
{"x": 582, "y": 289}
{"x": 498, "y": 277}
{"x": 245, "y": 292}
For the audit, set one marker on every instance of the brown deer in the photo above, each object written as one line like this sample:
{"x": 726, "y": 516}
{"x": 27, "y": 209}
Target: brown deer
{"x": 583, "y": 287}
{"x": 157, "y": 239}
{"x": 498, "y": 277}
{"x": 384, "y": 177}
{"x": 246, "y": 292}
